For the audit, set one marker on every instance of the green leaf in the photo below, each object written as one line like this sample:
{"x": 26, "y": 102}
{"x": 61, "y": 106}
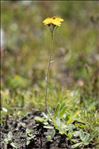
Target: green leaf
{"x": 50, "y": 134}
{"x": 77, "y": 145}
{"x": 48, "y": 127}
{"x": 39, "y": 119}
{"x": 9, "y": 137}
{"x": 14, "y": 145}
{"x": 49, "y": 138}
{"x": 85, "y": 137}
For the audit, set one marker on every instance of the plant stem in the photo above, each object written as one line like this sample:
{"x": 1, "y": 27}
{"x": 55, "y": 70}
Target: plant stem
{"x": 48, "y": 70}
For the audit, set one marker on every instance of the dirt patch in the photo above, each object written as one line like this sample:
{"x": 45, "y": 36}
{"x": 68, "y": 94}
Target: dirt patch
{"x": 26, "y": 133}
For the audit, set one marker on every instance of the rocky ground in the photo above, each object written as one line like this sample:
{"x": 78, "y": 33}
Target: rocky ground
{"x": 27, "y": 134}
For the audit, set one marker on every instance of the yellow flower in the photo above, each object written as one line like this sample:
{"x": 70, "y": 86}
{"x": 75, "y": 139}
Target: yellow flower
{"x": 56, "y": 21}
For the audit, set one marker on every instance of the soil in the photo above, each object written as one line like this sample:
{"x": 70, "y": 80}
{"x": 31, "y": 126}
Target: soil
{"x": 14, "y": 132}
{"x": 17, "y": 131}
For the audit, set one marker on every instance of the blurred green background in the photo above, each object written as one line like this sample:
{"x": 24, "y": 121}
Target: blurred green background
{"x": 27, "y": 41}
{"x": 27, "y": 46}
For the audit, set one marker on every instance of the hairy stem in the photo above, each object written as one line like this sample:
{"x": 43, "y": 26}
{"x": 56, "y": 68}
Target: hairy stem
{"x": 47, "y": 75}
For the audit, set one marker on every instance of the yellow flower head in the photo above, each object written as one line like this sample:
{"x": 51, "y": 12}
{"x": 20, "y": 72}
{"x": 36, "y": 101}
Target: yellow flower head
{"x": 55, "y": 21}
